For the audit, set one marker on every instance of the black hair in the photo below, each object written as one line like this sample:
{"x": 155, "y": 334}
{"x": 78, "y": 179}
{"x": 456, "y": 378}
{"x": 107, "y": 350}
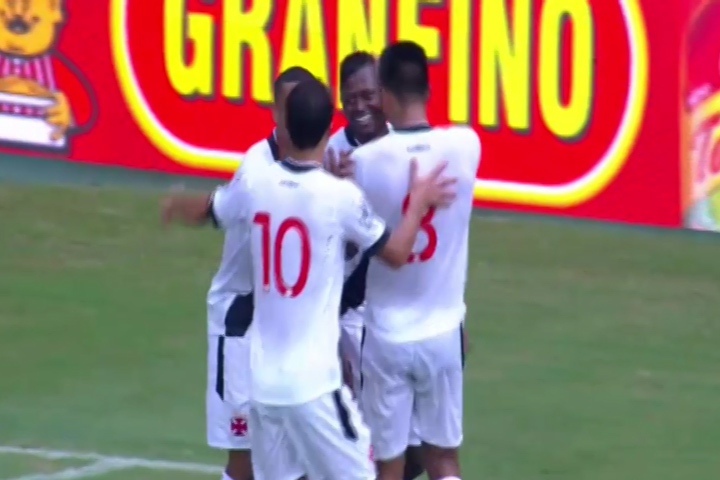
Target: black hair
{"x": 291, "y": 75}
{"x": 403, "y": 70}
{"x": 309, "y": 112}
{"x": 354, "y": 63}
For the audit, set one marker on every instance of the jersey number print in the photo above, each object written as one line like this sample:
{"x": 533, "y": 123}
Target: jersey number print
{"x": 276, "y": 248}
{"x": 427, "y": 227}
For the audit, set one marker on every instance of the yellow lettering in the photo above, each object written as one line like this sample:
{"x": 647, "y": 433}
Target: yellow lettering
{"x": 566, "y": 121}
{"x": 304, "y": 38}
{"x": 409, "y": 28}
{"x": 459, "y": 64}
{"x": 246, "y": 29}
{"x": 505, "y": 64}
{"x": 358, "y": 33}
{"x": 194, "y": 77}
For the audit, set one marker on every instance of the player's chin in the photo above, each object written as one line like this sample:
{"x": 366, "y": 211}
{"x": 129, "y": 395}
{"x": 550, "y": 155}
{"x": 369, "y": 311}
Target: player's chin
{"x": 368, "y": 128}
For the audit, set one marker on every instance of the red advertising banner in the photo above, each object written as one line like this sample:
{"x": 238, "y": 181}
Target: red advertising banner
{"x": 577, "y": 102}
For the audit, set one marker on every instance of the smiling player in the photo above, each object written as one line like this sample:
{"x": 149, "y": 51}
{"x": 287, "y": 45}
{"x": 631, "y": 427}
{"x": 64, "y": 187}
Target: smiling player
{"x": 360, "y": 97}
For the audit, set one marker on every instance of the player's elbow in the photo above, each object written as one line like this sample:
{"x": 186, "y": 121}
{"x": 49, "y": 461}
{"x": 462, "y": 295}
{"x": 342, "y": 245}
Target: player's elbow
{"x": 393, "y": 257}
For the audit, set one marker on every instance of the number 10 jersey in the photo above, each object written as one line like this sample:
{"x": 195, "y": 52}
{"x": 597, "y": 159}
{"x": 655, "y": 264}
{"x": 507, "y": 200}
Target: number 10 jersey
{"x": 300, "y": 218}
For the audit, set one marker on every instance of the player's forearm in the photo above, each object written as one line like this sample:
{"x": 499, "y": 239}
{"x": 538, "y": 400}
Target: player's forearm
{"x": 191, "y": 210}
{"x": 399, "y": 246}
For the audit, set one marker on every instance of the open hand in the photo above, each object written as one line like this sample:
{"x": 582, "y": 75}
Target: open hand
{"x": 433, "y": 189}
{"x": 340, "y": 165}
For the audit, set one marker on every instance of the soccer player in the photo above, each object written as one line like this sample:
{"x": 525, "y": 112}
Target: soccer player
{"x": 301, "y": 218}
{"x": 412, "y": 355}
{"x": 360, "y": 97}
{"x": 230, "y": 303}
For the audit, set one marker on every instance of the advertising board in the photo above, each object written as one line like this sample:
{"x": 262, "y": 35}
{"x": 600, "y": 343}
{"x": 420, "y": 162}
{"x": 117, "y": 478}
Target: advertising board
{"x": 701, "y": 104}
{"x": 576, "y": 101}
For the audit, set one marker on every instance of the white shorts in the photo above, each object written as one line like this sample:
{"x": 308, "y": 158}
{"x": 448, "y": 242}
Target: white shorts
{"x": 413, "y": 387}
{"x": 350, "y": 343}
{"x": 227, "y": 398}
{"x": 324, "y": 438}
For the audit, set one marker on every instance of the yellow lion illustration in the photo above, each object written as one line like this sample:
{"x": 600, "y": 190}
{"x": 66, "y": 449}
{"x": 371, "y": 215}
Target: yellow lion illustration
{"x": 37, "y": 83}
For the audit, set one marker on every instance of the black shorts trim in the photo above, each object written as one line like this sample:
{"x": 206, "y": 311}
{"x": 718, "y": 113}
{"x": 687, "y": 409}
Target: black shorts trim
{"x": 210, "y": 214}
{"x": 462, "y": 345}
{"x": 220, "y": 369}
{"x": 344, "y": 417}
{"x": 362, "y": 348}
{"x": 239, "y": 316}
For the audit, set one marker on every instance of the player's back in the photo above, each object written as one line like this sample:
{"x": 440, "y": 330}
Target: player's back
{"x": 298, "y": 263}
{"x": 426, "y": 296}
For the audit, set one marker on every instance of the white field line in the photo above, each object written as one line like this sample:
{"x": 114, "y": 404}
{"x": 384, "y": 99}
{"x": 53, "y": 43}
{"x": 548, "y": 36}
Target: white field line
{"x": 116, "y": 462}
{"x": 100, "y": 467}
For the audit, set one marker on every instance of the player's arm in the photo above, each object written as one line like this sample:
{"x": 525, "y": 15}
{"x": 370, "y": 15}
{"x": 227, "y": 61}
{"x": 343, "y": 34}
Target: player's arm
{"x": 225, "y": 207}
{"x": 194, "y": 209}
{"x": 190, "y": 209}
{"x": 370, "y": 232}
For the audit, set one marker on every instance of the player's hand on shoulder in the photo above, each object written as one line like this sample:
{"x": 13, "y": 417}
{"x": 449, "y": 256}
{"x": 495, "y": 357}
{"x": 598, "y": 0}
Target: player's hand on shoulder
{"x": 340, "y": 164}
{"x": 432, "y": 190}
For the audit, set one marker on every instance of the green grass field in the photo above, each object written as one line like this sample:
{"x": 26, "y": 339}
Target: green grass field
{"x": 594, "y": 351}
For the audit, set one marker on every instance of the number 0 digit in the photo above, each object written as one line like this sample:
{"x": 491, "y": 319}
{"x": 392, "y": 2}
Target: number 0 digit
{"x": 289, "y": 224}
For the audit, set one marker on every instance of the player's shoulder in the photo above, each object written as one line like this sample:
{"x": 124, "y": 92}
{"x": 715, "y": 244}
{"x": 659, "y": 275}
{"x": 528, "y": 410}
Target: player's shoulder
{"x": 258, "y": 156}
{"x": 461, "y": 135}
{"x": 262, "y": 150}
{"x": 372, "y": 149}
{"x": 341, "y": 141}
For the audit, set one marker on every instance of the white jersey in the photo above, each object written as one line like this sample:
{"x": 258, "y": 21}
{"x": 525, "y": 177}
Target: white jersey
{"x": 301, "y": 218}
{"x": 425, "y": 297}
{"x": 234, "y": 275}
{"x": 343, "y": 141}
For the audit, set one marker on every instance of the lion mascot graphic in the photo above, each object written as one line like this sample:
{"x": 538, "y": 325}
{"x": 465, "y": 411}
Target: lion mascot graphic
{"x": 44, "y": 98}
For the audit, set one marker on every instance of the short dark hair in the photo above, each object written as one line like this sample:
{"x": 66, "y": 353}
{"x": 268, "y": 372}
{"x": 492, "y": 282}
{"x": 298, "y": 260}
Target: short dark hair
{"x": 291, "y": 75}
{"x": 354, "y": 63}
{"x": 308, "y": 114}
{"x": 403, "y": 70}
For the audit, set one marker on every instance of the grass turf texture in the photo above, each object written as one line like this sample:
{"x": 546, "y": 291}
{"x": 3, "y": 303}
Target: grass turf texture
{"x": 594, "y": 352}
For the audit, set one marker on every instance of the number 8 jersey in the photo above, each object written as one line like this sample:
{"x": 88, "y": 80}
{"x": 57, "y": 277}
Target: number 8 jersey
{"x": 425, "y": 297}
{"x": 300, "y": 218}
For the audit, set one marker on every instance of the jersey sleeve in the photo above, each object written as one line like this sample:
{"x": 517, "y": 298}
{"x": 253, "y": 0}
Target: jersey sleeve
{"x": 229, "y": 204}
{"x": 361, "y": 225}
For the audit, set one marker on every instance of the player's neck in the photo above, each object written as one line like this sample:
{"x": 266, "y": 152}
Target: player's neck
{"x": 314, "y": 155}
{"x": 361, "y": 139}
{"x": 413, "y": 115}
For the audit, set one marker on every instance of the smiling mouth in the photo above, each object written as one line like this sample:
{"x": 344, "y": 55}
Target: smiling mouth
{"x": 364, "y": 120}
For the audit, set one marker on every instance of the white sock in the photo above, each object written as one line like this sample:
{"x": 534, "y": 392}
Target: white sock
{"x": 450, "y": 478}
{"x": 226, "y": 476}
